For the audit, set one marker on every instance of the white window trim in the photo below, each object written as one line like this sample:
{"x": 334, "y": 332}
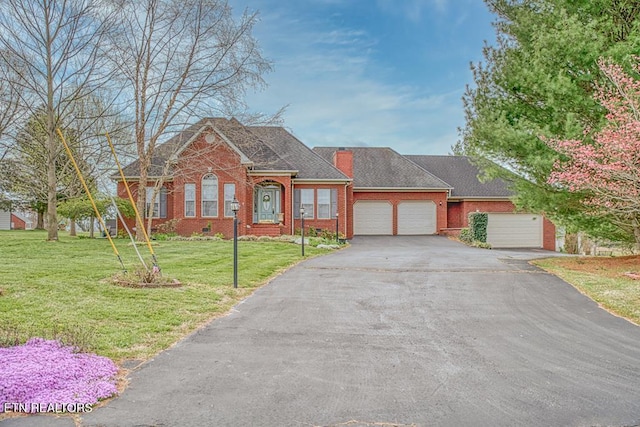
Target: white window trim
{"x": 203, "y": 200}
{"x": 195, "y": 214}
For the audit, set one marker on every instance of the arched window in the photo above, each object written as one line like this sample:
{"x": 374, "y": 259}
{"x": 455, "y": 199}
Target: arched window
{"x": 209, "y": 195}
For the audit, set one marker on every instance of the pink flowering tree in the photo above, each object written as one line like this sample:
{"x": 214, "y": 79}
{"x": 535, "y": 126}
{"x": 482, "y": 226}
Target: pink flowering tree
{"x": 605, "y": 166}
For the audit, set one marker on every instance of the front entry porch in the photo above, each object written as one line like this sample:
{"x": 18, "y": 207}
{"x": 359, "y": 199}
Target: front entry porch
{"x": 268, "y": 217}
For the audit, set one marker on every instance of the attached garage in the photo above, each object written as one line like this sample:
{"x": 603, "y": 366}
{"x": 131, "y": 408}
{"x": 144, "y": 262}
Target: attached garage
{"x": 372, "y": 218}
{"x": 417, "y": 217}
{"x": 508, "y": 230}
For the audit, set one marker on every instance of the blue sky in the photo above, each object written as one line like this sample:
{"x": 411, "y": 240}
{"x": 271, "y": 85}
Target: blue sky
{"x": 370, "y": 72}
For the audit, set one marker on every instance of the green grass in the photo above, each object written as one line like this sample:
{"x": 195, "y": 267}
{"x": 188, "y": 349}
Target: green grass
{"x": 602, "y": 279}
{"x": 67, "y": 285}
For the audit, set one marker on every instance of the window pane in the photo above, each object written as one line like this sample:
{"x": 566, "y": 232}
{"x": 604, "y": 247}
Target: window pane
{"x": 162, "y": 202}
{"x": 229, "y": 194}
{"x": 324, "y": 203}
{"x": 324, "y": 196}
{"x": 149, "y": 211}
{"x": 209, "y": 208}
{"x": 307, "y": 202}
{"x": 189, "y": 208}
{"x": 190, "y": 200}
{"x": 190, "y": 192}
{"x": 209, "y": 192}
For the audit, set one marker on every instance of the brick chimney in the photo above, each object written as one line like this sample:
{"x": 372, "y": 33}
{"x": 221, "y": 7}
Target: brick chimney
{"x": 343, "y": 160}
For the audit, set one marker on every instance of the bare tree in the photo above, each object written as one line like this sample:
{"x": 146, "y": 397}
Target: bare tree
{"x": 53, "y": 50}
{"x": 10, "y": 112}
{"x": 181, "y": 59}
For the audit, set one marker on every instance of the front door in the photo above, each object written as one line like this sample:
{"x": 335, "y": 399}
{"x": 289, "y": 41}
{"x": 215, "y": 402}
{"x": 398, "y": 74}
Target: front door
{"x": 268, "y": 206}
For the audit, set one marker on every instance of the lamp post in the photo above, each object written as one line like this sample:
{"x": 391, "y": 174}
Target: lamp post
{"x": 337, "y": 228}
{"x": 302, "y": 229}
{"x": 235, "y": 207}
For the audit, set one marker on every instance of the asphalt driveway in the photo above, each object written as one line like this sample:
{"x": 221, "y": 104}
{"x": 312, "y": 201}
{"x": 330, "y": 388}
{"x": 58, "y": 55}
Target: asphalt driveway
{"x": 397, "y": 331}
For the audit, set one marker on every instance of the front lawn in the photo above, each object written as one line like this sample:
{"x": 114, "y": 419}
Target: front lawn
{"x": 49, "y": 288}
{"x": 602, "y": 279}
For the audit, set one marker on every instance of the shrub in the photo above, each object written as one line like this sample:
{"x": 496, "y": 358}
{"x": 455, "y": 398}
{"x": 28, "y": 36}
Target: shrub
{"x": 482, "y": 245}
{"x": 248, "y": 238}
{"x": 164, "y": 236}
{"x": 168, "y": 226}
{"x": 478, "y": 225}
{"x": 465, "y": 235}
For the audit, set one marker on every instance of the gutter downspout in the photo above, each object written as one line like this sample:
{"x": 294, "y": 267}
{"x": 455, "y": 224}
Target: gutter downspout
{"x": 346, "y": 209}
{"x": 293, "y": 220}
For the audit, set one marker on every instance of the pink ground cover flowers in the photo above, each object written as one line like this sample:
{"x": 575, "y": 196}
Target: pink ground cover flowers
{"x": 47, "y": 372}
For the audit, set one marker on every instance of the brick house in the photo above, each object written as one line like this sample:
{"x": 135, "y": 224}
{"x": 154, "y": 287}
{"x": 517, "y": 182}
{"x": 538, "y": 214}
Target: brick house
{"x": 362, "y": 190}
{"x": 270, "y": 172}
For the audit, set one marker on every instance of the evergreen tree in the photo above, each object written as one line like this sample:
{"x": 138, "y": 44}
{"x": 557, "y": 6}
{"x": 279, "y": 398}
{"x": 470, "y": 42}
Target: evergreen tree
{"x": 538, "y": 83}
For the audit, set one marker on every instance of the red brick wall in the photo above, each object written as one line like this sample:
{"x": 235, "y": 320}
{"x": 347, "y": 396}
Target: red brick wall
{"x": 17, "y": 223}
{"x": 133, "y": 186}
{"x": 439, "y": 198}
{"x": 548, "y": 235}
{"x": 202, "y": 158}
{"x": 343, "y": 160}
{"x": 482, "y": 206}
{"x": 454, "y": 215}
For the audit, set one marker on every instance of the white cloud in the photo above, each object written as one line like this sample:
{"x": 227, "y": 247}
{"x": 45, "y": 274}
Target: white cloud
{"x": 413, "y": 10}
{"x": 339, "y": 95}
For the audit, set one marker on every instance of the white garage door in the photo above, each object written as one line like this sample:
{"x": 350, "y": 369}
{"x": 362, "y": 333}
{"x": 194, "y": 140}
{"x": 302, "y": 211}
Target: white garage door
{"x": 505, "y": 230}
{"x": 372, "y": 217}
{"x": 416, "y": 217}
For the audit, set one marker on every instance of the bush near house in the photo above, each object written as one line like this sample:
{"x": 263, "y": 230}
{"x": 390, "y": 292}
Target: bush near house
{"x": 478, "y": 226}
{"x": 478, "y": 230}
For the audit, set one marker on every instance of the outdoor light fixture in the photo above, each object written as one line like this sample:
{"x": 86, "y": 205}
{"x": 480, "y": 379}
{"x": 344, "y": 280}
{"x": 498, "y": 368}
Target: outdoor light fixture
{"x": 302, "y": 230}
{"x": 235, "y": 207}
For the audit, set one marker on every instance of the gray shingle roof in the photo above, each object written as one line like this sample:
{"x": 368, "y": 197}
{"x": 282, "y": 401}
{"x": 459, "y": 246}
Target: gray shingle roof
{"x": 163, "y": 152}
{"x": 270, "y": 148}
{"x": 462, "y": 175}
{"x": 384, "y": 168}
{"x": 264, "y": 158}
{"x": 308, "y": 163}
